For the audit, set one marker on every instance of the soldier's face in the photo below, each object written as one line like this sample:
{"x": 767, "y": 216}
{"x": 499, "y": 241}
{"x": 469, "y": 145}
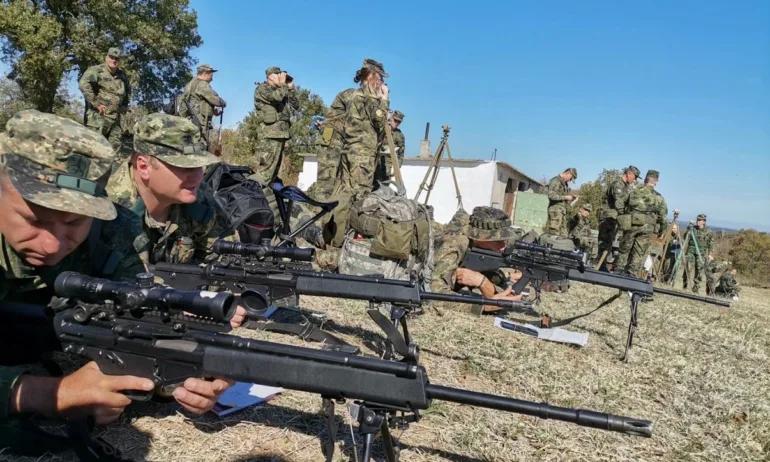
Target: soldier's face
{"x": 175, "y": 185}
{"x": 41, "y": 236}
{"x": 395, "y": 123}
{"x": 700, "y": 223}
{"x": 112, "y": 62}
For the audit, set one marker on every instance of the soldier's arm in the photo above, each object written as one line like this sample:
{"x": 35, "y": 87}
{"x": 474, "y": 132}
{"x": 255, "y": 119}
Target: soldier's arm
{"x": 211, "y": 96}
{"x": 86, "y": 85}
{"x": 293, "y": 99}
{"x": 620, "y": 201}
{"x": 400, "y": 142}
{"x": 554, "y": 191}
{"x": 663, "y": 216}
{"x": 379, "y": 115}
{"x": 271, "y": 95}
{"x": 338, "y": 108}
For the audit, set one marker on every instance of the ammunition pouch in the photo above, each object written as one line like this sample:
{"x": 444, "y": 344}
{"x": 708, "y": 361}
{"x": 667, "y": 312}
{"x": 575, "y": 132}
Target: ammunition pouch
{"x": 392, "y": 239}
{"x": 268, "y": 114}
{"x": 624, "y": 222}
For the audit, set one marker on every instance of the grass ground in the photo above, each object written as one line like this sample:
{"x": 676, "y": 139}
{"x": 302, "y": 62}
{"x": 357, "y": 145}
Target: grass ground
{"x": 700, "y": 372}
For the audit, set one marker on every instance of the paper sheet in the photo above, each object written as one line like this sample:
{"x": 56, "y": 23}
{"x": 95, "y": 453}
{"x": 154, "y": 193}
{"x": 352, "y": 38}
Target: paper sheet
{"x": 553, "y": 335}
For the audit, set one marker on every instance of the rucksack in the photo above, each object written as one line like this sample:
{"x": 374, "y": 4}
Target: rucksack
{"x": 556, "y": 242}
{"x": 242, "y": 201}
{"x": 397, "y": 232}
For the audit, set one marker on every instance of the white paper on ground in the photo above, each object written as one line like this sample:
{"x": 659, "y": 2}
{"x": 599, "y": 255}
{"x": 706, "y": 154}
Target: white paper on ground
{"x": 553, "y": 335}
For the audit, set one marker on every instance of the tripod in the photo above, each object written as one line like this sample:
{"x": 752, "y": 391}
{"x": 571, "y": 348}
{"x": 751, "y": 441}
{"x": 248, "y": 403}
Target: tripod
{"x": 434, "y": 167}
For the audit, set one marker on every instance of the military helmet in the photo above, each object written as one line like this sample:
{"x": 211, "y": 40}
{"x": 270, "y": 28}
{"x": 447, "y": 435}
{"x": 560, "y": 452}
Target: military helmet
{"x": 633, "y": 170}
{"x": 489, "y": 224}
{"x": 174, "y": 140}
{"x": 702, "y": 216}
{"x": 58, "y": 164}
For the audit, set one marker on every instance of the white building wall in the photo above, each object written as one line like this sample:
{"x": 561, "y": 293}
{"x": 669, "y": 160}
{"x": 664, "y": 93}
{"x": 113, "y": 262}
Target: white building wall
{"x": 476, "y": 181}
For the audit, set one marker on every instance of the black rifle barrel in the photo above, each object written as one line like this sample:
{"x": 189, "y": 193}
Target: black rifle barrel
{"x": 585, "y": 418}
{"x": 697, "y": 298}
{"x": 477, "y": 300}
{"x": 219, "y": 306}
{"x": 575, "y": 255}
{"x": 263, "y": 251}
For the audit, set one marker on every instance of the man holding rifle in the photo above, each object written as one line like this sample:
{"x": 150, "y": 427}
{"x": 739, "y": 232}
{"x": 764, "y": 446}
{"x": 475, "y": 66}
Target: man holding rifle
{"x": 199, "y": 102}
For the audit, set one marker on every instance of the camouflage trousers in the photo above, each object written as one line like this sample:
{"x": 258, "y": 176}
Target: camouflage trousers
{"x": 356, "y": 174}
{"x": 328, "y": 168}
{"x": 693, "y": 272}
{"x": 269, "y": 158}
{"x": 557, "y": 222}
{"x": 608, "y": 229}
{"x": 711, "y": 283}
{"x": 633, "y": 249}
{"x": 110, "y": 129}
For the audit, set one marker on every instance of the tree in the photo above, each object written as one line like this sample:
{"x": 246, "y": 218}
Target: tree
{"x": 43, "y": 41}
{"x": 12, "y": 101}
{"x": 750, "y": 254}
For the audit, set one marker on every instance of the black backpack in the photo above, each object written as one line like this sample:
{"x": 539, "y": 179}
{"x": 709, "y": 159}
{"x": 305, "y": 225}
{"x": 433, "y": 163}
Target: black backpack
{"x": 242, "y": 201}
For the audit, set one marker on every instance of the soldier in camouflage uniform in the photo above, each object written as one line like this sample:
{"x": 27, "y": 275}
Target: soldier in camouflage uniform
{"x": 486, "y": 228}
{"x": 559, "y": 198}
{"x": 56, "y": 217}
{"x": 644, "y": 215}
{"x": 203, "y": 100}
{"x": 161, "y": 183}
{"x": 615, "y": 196}
{"x": 698, "y": 250}
{"x": 331, "y": 145}
{"x": 728, "y": 286}
{"x": 712, "y": 268}
{"x": 107, "y": 93}
{"x": 580, "y": 231}
{"x": 274, "y": 101}
{"x": 384, "y": 170}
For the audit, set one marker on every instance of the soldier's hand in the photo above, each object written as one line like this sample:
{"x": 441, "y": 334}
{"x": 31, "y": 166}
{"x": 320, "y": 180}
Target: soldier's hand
{"x": 199, "y": 396}
{"x": 101, "y": 108}
{"x": 385, "y": 91}
{"x": 290, "y": 84}
{"x": 468, "y": 278}
{"x": 282, "y": 77}
{"x": 568, "y": 197}
{"x": 217, "y": 110}
{"x": 238, "y": 317}
{"x": 505, "y": 295}
{"x": 274, "y": 79}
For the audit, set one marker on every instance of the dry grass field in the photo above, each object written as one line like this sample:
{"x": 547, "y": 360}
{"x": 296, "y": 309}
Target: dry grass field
{"x": 701, "y": 373}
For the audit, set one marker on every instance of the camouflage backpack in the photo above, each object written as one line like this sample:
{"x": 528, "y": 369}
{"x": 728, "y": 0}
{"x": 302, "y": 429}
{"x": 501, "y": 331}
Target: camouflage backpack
{"x": 398, "y": 236}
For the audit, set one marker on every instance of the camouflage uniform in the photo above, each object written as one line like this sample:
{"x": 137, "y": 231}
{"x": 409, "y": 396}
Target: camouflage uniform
{"x": 384, "y": 170}
{"x": 273, "y": 106}
{"x": 330, "y": 145}
{"x": 203, "y": 99}
{"x": 615, "y": 197}
{"x": 647, "y": 210}
{"x": 41, "y": 147}
{"x": 113, "y": 91}
{"x": 191, "y": 229}
{"x": 695, "y": 258}
{"x": 557, "y": 205}
{"x": 485, "y": 224}
{"x": 728, "y": 286}
{"x": 580, "y": 233}
{"x": 711, "y": 269}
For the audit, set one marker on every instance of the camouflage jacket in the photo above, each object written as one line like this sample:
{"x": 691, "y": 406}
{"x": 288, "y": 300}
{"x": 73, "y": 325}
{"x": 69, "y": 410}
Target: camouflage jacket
{"x": 191, "y": 229}
{"x": 727, "y": 283}
{"x": 203, "y": 99}
{"x": 365, "y": 120}
{"x": 580, "y": 230}
{"x": 115, "y": 244}
{"x": 335, "y": 118}
{"x": 450, "y": 247}
{"x": 100, "y": 87}
{"x": 705, "y": 240}
{"x": 647, "y": 202}
{"x": 557, "y": 190}
{"x": 273, "y": 107}
{"x": 713, "y": 267}
{"x": 615, "y": 197}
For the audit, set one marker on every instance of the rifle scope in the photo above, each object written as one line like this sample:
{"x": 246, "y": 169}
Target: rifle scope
{"x": 263, "y": 251}
{"x": 219, "y": 306}
{"x": 575, "y": 255}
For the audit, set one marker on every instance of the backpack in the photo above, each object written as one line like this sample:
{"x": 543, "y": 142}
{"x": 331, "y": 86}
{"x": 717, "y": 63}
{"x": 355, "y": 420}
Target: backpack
{"x": 242, "y": 201}
{"x": 398, "y": 232}
{"x": 556, "y": 242}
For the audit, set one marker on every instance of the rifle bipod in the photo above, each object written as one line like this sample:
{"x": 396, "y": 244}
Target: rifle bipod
{"x": 635, "y": 299}
{"x": 397, "y": 342}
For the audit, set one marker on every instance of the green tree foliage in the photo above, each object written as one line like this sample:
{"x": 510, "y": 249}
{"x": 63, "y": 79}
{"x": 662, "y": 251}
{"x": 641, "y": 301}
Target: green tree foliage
{"x": 593, "y": 193}
{"x": 12, "y": 101}
{"x": 750, "y": 255}
{"x": 45, "y": 40}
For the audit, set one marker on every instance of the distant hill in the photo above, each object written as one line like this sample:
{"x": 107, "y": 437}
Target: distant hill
{"x": 717, "y": 229}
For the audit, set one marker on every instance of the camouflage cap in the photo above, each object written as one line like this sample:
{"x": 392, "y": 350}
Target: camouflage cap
{"x": 633, "y": 170}
{"x": 375, "y": 66}
{"x": 652, "y": 174}
{"x": 587, "y": 207}
{"x": 205, "y": 68}
{"x": 174, "y": 140}
{"x": 398, "y": 115}
{"x": 489, "y": 224}
{"x": 273, "y": 70}
{"x": 116, "y": 52}
{"x": 58, "y": 164}
{"x": 702, "y": 216}
{"x": 573, "y": 171}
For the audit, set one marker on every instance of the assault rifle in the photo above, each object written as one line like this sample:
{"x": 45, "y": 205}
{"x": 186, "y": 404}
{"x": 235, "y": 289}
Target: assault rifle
{"x": 140, "y": 329}
{"x": 244, "y": 269}
{"x": 540, "y": 264}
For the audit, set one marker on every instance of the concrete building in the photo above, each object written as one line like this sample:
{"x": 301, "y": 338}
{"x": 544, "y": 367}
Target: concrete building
{"x": 481, "y": 182}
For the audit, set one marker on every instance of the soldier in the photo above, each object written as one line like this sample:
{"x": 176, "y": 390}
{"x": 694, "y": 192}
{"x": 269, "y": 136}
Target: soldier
{"x": 107, "y": 93}
{"x": 580, "y": 231}
{"x": 698, "y": 250}
{"x": 728, "y": 286}
{"x": 330, "y": 146}
{"x": 487, "y": 228}
{"x": 711, "y": 270}
{"x": 57, "y": 218}
{"x": 384, "y": 170}
{"x": 204, "y": 103}
{"x": 274, "y": 101}
{"x": 161, "y": 183}
{"x": 644, "y": 215}
{"x": 615, "y": 196}
{"x": 558, "y": 199}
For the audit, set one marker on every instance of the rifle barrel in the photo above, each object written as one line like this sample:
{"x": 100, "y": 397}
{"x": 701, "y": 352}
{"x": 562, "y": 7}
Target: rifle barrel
{"x": 697, "y": 298}
{"x": 477, "y": 300}
{"x": 582, "y": 417}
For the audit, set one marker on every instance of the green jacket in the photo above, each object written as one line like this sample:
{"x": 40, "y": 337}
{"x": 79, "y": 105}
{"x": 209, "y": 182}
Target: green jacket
{"x": 273, "y": 107}
{"x": 557, "y": 190}
{"x": 705, "y": 240}
{"x": 203, "y": 99}
{"x": 647, "y": 208}
{"x": 100, "y": 87}
{"x": 580, "y": 231}
{"x": 615, "y": 196}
